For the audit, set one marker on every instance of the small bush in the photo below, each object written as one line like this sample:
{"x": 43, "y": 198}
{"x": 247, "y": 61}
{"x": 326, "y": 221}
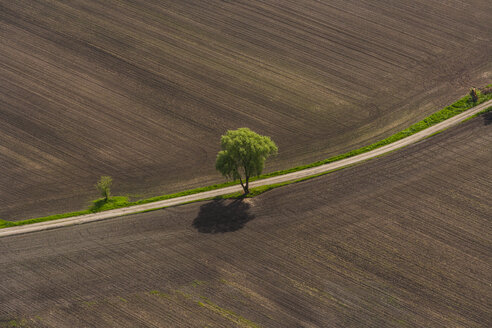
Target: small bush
{"x": 104, "y": 186}
{"x": 474, "y": 95}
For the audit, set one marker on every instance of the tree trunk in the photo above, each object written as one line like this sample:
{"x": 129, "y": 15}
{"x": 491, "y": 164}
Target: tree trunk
{"x": 245, "y": 186}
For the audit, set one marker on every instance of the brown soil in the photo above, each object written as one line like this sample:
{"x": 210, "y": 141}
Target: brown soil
{"x": 142, "y": 90}
{"x": 400, "y": 241}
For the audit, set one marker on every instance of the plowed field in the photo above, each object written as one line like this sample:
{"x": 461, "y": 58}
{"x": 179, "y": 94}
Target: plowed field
{"x": 142, "y": 90}
{"x": 401, "y": 241}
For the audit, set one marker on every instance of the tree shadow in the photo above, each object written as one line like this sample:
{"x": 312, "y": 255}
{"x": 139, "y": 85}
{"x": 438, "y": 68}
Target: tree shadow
{"x": 221, "y": 216}
{"x": 98, "y": 204}
{"x": 487, "y": 118}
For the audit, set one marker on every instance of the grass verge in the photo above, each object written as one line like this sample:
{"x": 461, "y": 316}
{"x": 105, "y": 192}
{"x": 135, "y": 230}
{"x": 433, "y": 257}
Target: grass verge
{"x": 486, "y": 110}
{"x": 97, "y": 206}
{"x": 456, "y": 108}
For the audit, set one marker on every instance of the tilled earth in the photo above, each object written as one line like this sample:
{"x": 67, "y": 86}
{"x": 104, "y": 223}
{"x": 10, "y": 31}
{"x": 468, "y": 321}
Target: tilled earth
{"x": 399, "y": 241}
{"x": 142, "y": 90}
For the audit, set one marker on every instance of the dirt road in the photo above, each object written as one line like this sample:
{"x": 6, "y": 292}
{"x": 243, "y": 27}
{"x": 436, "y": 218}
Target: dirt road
{"x": 399, "y": 241}
{"x": 283, "y": 178}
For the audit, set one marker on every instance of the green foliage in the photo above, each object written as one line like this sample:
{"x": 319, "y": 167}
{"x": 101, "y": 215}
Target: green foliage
{"x": 104, "y": 186}
{"x": 243, "y": 155}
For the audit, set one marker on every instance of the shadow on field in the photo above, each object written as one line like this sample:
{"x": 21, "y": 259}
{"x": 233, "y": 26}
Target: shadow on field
{"x": 222, "y": 216}
{"x": 487, "y": 118}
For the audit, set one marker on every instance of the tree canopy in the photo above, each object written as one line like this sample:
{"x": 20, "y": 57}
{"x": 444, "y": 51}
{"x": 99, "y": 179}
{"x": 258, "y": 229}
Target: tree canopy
{"x": 104, "y": 186}
{"x": 243, "y": 155}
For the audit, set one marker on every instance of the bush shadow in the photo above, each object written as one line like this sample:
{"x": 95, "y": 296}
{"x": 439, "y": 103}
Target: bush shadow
{"x": 102, "y": 204}
{"x": 487, "y": 118}
{"x": 98, "y": 204}
{"x": 219, "y": 216}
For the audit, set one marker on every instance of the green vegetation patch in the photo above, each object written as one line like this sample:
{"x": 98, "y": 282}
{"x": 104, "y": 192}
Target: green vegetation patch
{"x": 237, "y": 319}
{"x": 110, "y": 204}
{"x": 197, "y": 283}
{"x": 454, "y": 109}
{"x": 159, "y": 293}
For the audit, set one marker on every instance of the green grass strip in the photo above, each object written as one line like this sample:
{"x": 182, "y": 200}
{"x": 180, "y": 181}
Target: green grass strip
{"x": 454, "y": 109}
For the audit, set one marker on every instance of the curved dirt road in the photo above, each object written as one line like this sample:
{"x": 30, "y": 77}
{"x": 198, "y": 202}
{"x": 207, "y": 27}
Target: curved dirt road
{"x": 282, "y": 178}
{"x": 406, "y": 235}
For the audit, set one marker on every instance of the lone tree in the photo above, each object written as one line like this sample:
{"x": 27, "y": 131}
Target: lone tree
{"x": 103, "y": 186}
{"x": 474, "y": 95}
{"x": 243, "y": 155}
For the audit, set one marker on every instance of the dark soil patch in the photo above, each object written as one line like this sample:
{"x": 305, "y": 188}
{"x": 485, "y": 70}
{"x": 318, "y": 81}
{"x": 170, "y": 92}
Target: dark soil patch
{"x": 487, "y": 118}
